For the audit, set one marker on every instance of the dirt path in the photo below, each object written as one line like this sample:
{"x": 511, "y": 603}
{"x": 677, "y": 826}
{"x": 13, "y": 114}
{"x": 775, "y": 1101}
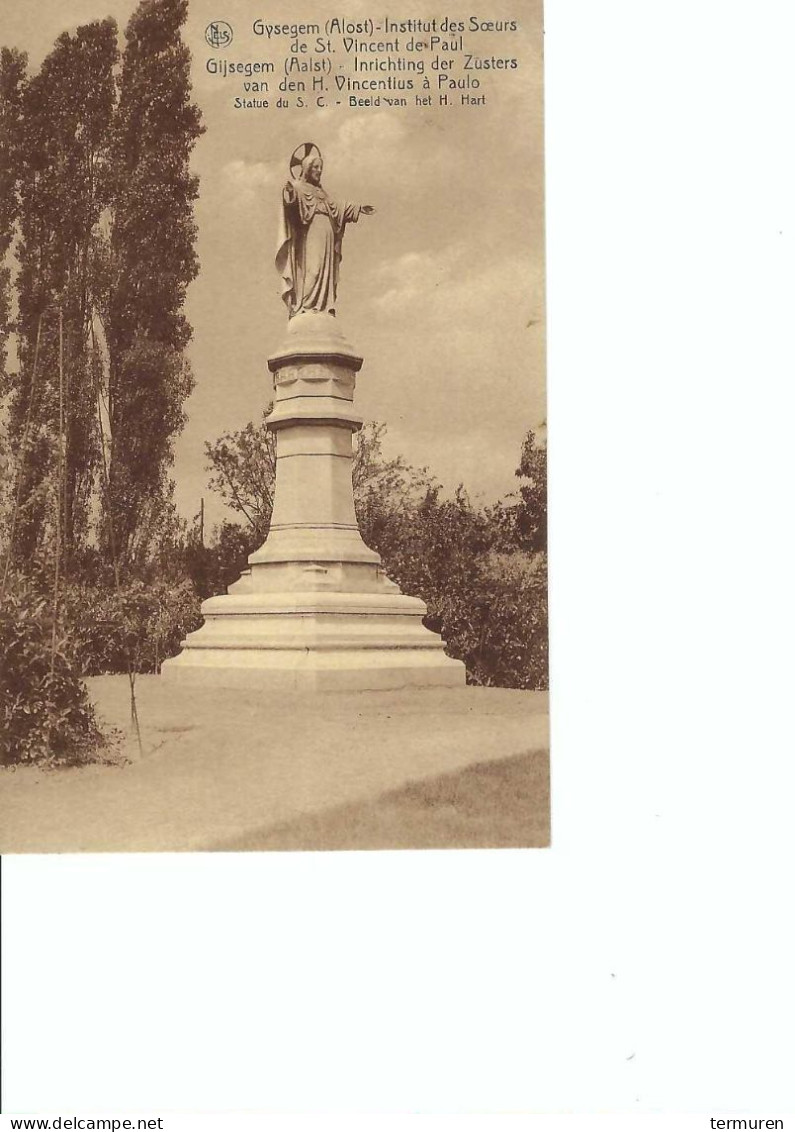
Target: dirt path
{"x": 218, "y": 765}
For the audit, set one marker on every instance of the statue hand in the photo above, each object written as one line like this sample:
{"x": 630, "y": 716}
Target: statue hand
{"x": 368, "y": 209}
{"x": 289, "y": 192}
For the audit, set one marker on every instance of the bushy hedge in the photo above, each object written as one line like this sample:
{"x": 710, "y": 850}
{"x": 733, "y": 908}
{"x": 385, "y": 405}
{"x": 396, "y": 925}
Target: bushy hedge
{"x": 133, "y": 628}
{"x": 45, "y": 714}
{"x": 498, "y": 625}
{"x": 490, "y": 605}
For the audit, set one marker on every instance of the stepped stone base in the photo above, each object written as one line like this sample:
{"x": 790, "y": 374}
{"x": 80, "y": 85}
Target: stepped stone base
{"x": 314, "y": 640}
{"x": 352, "y": 670}
{"x": 314, "y": 609}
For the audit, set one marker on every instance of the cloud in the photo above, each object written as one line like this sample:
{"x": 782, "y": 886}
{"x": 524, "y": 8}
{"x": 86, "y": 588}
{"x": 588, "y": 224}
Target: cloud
{"x": 245, "y": 178}
{"x": 423, "y": 284}
{"x": 414, "y": 276}
{"x": 480, "y": 316}
{"x": 370, "y": 136}
{"x": 373, "y": 143}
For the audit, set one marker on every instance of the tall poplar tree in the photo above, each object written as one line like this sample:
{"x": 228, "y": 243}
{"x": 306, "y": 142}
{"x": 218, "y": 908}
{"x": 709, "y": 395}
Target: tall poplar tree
{"x": 12, "y": 78}
{"x": 13, "y": 65}
{"x": 65, "y": 130}
{"x": 152, "y": 261}
{"x": 94, "y": 172}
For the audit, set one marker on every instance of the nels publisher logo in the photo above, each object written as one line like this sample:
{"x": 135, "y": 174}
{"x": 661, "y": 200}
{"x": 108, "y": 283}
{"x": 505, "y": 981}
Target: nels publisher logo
{"x": 218, "y": 34}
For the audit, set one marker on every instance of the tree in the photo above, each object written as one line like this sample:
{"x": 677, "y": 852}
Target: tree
{"x": 13, "y": 66}
{"x": 213, "y": 568}
{"x": 243, "y": 467}
{"x": 61, "y": 161}
{"x": 151, "y": 261}
{"x": 97, "y": 171}
{"x": 12, "y": 80}
{"x": 531, "y": 511}
{"x": 385, "y": 491}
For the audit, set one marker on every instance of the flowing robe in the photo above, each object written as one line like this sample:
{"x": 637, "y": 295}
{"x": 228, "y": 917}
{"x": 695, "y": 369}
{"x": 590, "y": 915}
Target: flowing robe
{"x": 310, "y": 246}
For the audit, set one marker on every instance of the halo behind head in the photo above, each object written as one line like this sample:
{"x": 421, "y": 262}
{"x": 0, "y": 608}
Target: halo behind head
{"x": 307, "y": 149}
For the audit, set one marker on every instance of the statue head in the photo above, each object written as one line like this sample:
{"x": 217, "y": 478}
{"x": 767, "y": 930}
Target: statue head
{"x": 306, "y": 164}
{"x": 312, "y": 168}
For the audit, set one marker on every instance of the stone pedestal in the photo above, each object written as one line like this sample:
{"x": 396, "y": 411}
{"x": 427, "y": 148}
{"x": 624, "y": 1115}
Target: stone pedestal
{"x": 315, "y": 608}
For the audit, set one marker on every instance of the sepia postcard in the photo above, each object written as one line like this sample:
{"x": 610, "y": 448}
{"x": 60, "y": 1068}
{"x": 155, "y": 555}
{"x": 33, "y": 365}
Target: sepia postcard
{"x": 272, "y": 427}
{"x": 273, "y": 564}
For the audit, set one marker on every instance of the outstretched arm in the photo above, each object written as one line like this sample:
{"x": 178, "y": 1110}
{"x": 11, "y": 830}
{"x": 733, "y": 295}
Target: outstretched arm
{"x": 351, "y": 212}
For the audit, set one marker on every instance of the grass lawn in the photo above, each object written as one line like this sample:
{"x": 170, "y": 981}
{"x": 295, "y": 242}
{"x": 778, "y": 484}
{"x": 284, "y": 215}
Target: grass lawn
{"x": 501, "y": 804}
{"x": 228, "y": 770}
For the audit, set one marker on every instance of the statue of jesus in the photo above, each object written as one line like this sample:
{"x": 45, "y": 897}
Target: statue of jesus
{"x": 310, "y": 235}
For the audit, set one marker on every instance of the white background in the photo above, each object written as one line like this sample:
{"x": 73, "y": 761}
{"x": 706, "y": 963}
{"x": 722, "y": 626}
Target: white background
{"x": 645, "y": 962}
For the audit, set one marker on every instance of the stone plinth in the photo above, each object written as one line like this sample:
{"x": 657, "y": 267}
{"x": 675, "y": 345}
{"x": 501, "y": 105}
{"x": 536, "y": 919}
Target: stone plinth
{"x": 315, "y": 608}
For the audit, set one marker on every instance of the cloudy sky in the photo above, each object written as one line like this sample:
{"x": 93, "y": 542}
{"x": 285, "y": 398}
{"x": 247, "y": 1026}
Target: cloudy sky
{"x": 441, "y": 290}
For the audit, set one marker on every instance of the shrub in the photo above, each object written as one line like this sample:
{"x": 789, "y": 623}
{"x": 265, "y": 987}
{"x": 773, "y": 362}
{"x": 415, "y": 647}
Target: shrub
{"x": 45, "y": 714}
{"x": 505, "y": 637}
{"x": 489, "y": 605}
{"x": 136, "y": 626}
{"x": 214, "y": 568}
